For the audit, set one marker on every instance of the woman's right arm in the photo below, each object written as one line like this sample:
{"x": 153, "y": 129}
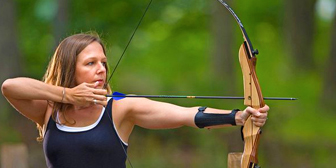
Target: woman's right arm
{"x": 29, "y": 96}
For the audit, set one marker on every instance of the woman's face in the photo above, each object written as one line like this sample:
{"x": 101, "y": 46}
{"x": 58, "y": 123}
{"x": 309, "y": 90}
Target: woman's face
{"x": 90, "y": 66}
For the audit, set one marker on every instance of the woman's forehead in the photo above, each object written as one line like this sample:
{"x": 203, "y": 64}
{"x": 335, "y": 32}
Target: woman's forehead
{"x": 92, "y": 50}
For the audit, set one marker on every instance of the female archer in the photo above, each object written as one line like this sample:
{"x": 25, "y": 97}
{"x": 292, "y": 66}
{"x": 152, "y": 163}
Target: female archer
{"x": 81, "y": 127}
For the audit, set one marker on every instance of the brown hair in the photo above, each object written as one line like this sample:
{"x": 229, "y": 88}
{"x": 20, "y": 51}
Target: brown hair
{"x": 62, "y": 67}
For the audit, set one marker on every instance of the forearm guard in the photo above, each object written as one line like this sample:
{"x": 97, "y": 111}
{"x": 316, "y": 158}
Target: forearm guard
{"x": 210, "y": 119}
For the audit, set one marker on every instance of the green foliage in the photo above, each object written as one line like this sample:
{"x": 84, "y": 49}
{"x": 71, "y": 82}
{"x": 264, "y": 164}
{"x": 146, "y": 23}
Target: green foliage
{"x": 170, "y": 54}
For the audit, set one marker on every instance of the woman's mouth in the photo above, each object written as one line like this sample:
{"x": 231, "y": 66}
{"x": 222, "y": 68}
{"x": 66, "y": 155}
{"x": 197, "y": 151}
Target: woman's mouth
{"x": 100, "y": 82}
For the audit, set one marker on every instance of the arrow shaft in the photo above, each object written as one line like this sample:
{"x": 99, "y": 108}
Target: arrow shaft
{"x": 197, "y": 97}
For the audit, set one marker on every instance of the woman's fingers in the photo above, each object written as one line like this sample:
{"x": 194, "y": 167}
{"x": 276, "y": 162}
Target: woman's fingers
{"x": 258, "y": 116}
{"x": 94, "y": 90}
{"x": 249, "y": 111}
{"x": 264, "y": 109}
{"x": 261, "y": 119}
{"x": 100, "y": 102}
{"x": 91, "y": 85}
{"x": 87, "y": 94}
{"x": 258, "y": 120}
{"x": 99, "y": 92}
{"x": 99, "y": 97}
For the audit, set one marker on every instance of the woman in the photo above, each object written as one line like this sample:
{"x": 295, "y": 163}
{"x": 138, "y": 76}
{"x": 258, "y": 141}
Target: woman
{"x": 80, "y": 127}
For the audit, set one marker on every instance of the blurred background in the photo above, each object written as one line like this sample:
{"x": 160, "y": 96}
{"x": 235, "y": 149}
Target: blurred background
{"x": 190, "y": 47}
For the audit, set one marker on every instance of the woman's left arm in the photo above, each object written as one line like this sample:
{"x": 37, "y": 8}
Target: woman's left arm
{"x": 159, "y": 115}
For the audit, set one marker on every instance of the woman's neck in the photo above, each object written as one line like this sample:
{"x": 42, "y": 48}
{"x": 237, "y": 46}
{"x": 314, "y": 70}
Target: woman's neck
{"x": 80, "y": 116}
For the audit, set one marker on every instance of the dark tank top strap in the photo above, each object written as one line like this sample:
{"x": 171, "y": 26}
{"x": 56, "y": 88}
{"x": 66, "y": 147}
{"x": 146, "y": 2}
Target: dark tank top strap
{"x": 109, "y": 112}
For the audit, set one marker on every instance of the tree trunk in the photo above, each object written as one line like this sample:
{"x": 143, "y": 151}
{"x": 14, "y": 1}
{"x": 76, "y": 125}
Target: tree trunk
{"x": 299, "y": 25}
{"x": 223, "y": 58}
{"x": 224, "y": 61}
{"x": 10, "y": 67}
{"x": 329, "y": 89}
{"x": 61, "y": 21}
{"x": 10, "y": 58}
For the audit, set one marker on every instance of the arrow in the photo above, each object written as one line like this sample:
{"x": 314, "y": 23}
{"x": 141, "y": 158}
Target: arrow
{"x": 119, "y": 96}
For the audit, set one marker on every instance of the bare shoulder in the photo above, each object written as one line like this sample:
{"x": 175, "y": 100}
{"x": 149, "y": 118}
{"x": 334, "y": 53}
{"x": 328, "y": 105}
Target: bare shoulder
{"x": 126, "y": 109}
{"x": 129, "y": 105}
{"x": 123, "y": 106}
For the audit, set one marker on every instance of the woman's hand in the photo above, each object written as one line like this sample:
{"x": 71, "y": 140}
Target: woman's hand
{"x": 259, "y": 116}
{"x": 86, "y": 94}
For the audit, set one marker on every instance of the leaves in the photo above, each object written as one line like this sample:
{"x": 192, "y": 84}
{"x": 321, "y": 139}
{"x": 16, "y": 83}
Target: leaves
{"x": 171, "y": 54}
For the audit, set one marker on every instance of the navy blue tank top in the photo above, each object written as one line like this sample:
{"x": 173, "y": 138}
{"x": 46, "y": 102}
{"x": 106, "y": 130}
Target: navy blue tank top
{"x": 99, "y": 146}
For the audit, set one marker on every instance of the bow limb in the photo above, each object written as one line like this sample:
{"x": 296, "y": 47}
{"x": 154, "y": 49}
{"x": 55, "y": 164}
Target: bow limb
{"x": 253, "y": 98}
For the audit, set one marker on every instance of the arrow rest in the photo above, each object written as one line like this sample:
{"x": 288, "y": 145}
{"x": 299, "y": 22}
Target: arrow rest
{"x": 255, "y": 52}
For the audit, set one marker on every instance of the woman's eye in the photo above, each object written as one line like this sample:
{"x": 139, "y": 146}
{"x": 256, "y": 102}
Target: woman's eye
{"x": 104, "y": 63}
{"x": 90, "y": 63}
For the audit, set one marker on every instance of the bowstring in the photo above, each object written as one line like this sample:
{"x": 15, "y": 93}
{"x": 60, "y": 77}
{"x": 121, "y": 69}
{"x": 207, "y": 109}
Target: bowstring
{"x": 129, "y": 41}
{"x": 123, "y": 53}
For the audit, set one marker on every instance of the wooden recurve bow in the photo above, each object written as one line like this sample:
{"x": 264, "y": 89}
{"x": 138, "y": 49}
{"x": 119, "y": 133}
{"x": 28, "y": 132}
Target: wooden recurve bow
{"x": 252, "y": 96}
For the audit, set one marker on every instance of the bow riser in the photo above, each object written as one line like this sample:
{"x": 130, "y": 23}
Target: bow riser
{"x": 252, "y": 91}
{"x": 253, "y": 98}
{"x": 251, "y": 139}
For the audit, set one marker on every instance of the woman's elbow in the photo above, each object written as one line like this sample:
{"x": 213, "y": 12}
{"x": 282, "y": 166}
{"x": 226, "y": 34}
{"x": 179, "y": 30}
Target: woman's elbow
{"x": 5, "y": 87}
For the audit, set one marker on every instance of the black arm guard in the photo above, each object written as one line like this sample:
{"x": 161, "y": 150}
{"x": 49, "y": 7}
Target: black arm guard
{"x": 210, "y": 119}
